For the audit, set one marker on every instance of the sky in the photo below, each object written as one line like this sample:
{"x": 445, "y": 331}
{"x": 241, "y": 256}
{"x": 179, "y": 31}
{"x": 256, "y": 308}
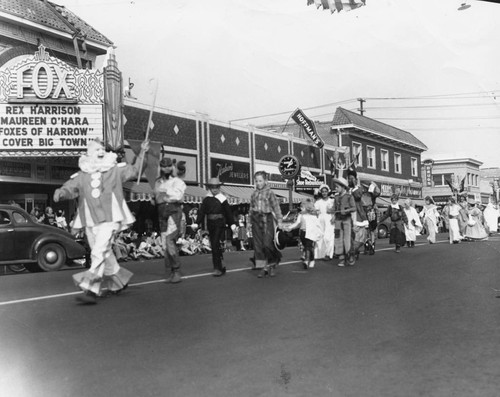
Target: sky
{"x": 421, "y": 65}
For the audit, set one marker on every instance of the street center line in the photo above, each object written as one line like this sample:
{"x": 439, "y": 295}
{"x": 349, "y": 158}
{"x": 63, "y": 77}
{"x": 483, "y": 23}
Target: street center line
{"x": 39, "y": 298}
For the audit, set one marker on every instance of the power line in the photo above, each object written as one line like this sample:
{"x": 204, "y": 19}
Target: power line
{"x": 439, "y": 96}
{"x": 431, "y": 106}
{"x": 290, "y": 111}
{"x": 439, "y": 118}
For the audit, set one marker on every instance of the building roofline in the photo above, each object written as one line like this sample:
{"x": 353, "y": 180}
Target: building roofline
{"x": 55, "y": 32}
{"x": 336, "y": 127}
{"x": 459, "y": 160}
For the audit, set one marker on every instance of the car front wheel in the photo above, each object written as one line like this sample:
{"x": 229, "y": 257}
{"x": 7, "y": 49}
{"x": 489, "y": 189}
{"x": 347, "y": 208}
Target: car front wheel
{"x": 51, "y": 257}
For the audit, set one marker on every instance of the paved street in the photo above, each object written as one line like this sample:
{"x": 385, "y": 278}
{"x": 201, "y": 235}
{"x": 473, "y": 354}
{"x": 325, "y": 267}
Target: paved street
{"x": 424, "y": 322}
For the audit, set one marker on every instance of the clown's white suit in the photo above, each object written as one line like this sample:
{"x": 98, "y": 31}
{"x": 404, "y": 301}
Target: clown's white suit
{"x": 102, "y": 211}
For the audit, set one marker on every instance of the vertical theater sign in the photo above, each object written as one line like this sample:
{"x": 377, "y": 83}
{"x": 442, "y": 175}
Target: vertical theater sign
{"x": 49, "y": 108}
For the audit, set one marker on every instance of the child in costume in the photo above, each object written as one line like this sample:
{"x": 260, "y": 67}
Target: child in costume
{"x": 344, "y": 207}
{"x": 169, "y": 196}
{"x": 398, "y": 223}
{"x": 372, "y": 214}
{"x": 264, "y": 210}
{"x": 103, "y": 212}
{"x": 218, "y": 213}
{"x": 310, "y": 231}
{"x": 413, "y": 227}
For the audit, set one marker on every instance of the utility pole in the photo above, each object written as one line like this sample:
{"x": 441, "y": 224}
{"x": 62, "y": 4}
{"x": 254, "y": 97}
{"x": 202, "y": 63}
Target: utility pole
{"x": 361, "y": 110}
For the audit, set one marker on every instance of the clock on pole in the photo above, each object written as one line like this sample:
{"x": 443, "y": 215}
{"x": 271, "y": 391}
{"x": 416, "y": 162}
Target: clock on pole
{"x": 289, "y": 166}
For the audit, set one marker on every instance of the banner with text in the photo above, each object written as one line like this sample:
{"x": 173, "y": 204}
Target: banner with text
{"x": 301, "y": 119}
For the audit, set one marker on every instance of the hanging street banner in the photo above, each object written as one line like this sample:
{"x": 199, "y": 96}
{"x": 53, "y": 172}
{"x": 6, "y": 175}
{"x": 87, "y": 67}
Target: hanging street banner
{"x": 301, "y": 119}
{"x": 48, "y": 107}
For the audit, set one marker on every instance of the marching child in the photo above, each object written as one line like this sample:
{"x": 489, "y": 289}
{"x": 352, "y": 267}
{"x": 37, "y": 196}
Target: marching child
{"x": 372, "y": 214}
{"x": 344, "y": 207}
{"x": 310, "y": 231}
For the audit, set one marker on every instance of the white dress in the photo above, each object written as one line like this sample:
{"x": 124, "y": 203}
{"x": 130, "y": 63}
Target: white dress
{"x": 491, "y": 215}
{"x": 414, "y": 225}
{"x": 453, "y": 214}
{"x": 324, "y": 247}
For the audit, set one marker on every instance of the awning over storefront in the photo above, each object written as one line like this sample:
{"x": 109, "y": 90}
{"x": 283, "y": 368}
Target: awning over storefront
{"x": 237, "y": 194}
{"x": 137, "y": 192}
{"x": 143, "y": 192}
{"x": 386, "y": 201}
{"x": 194, "y": 194}
{"x": 296, "y": 197}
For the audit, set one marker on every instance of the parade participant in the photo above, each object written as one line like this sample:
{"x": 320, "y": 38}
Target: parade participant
{"x": 344, "y": 206}
{"x": 453, "y": 213}
{"x": 430, "y": 219}
{"x": 359, "y": 219}
{"x": 398, "y": 223}
{"x": 463, "y": 214}
{"x": 103, "y": 212}
{"x": 475, "y": 230}
{"x": 372, "y": 213}
{"x": 413, "y": 227}
{"x": 310, "y": 231}
{"x": 491, "y": 214}
{"x": 218, "y": 214}
{"x": 324, "y": 207}
{"x": 264, "y": 211}
{"x": 242, "y": 232}
{"x": 169, "y": 195}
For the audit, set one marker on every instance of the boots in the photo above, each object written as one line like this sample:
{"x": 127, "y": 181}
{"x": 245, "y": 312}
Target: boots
{"x": 89, "y": 298}
{"x": 175, "y": 277}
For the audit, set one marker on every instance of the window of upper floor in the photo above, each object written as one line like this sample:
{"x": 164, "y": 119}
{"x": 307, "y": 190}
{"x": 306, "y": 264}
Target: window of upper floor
{"x": 384, "y": 159}
{"x": 370, "y": 157}
{"x": 397, "y": 163}
{"x": 414, "y": 166}
{"x": 356, "y": 154}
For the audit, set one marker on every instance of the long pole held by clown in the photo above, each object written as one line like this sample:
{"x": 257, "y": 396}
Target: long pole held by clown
{"x": 148, "y": 126}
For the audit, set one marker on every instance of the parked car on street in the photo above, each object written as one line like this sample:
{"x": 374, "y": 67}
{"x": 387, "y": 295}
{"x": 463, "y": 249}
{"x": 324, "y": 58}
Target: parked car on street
{"x": 37, "y": 246}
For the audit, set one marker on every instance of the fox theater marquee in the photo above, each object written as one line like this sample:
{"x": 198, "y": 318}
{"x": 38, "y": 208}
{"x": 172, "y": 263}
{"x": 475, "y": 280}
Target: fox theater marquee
{"x": 48, "y": 107}
{"x": 49, "y": 110}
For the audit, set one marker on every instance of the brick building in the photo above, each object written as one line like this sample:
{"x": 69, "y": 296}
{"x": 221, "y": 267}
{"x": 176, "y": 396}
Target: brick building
{"x": 387, "y": 155}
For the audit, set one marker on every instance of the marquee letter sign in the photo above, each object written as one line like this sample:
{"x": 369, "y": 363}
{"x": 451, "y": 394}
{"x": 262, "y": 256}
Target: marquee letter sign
{"x": 48, "y": 107}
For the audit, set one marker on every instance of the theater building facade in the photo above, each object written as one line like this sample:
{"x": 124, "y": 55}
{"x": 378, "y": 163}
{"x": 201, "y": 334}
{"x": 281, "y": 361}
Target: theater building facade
{"x": 51, "y": 98}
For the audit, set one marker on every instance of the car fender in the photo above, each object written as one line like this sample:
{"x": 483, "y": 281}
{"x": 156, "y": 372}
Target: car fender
{"x": 72, "y": 248}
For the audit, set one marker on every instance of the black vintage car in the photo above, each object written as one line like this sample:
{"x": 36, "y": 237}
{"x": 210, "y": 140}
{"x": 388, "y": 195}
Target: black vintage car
{"x": 38, "y": 247}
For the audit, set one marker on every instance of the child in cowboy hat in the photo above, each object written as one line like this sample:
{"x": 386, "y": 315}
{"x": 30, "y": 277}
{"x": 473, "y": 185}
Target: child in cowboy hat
{"x": 169, "y": 196}
{"x": 343, "y": 208}
{"x": 218, "y": 213}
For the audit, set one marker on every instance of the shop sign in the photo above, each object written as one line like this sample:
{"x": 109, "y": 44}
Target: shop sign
{"x": 308, "y": 181}
{"x": 13, "y": 168}
{"x": 428, "y": 174}
{"x": 388, "y": 189}
{"x": 62, "y": 173}
{"x": 46, "y": 104}
{"x": 229, "y": 171}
